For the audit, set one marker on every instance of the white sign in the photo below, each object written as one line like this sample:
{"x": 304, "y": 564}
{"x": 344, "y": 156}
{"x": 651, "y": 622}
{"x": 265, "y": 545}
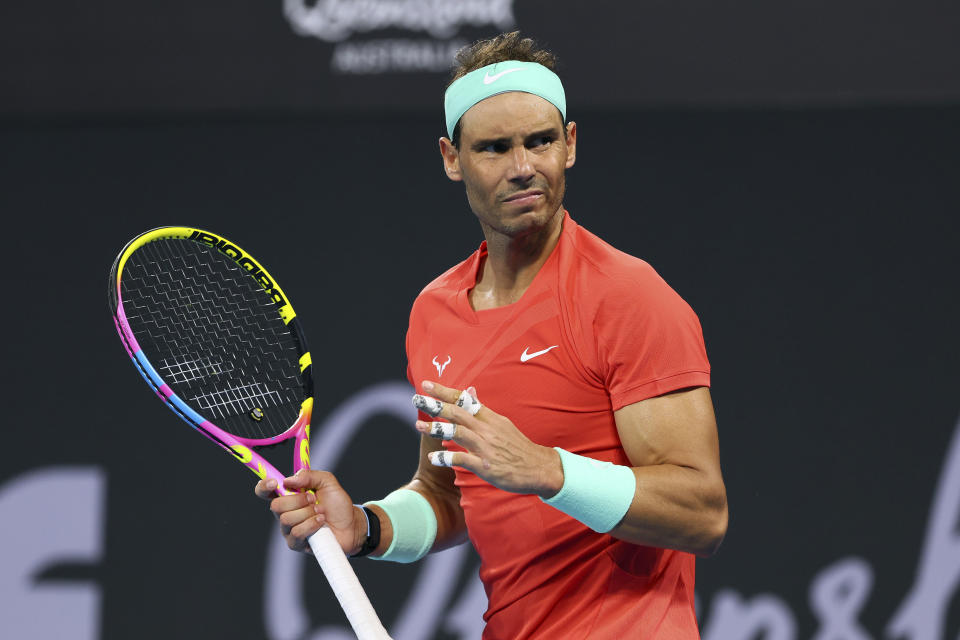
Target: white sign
{"x": 436, "y": 22}
{"x": 336, "y": 20}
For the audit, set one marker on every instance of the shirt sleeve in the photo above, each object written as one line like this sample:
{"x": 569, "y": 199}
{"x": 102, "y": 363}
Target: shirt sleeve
{"x": 649, "y": 340}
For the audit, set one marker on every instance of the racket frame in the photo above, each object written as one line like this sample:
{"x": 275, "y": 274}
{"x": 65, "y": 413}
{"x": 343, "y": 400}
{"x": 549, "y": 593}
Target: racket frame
{"x": 242, "y": 449}
{"x": 354, "y": 601}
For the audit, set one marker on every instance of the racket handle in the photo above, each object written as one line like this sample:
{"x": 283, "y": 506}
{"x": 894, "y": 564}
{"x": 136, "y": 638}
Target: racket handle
{"x": 346, "y": 586}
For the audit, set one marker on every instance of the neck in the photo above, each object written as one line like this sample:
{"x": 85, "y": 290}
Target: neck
{"x": 512, "y": 262}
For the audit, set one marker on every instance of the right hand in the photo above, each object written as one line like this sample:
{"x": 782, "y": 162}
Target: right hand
{"x": 320, "y": 500}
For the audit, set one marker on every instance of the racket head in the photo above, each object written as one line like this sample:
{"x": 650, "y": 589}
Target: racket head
{"x": 217, "y": 339}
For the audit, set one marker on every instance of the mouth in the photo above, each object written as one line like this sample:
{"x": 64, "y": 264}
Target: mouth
{"x": 524, "y": 197}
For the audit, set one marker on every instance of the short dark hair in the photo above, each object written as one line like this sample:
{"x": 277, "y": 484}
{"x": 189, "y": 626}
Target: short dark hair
{"x": 506, "y": 46}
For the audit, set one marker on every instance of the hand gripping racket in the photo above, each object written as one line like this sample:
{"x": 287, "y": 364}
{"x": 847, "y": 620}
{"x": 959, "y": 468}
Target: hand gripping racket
{"x": 217, "y": 340}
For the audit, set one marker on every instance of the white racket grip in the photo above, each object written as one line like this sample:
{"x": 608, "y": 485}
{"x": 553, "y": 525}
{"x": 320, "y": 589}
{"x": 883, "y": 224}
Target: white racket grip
{"x": 353, "y": 599}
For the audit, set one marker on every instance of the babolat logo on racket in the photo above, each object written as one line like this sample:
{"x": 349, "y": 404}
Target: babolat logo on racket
{"x": 244, "y": 261}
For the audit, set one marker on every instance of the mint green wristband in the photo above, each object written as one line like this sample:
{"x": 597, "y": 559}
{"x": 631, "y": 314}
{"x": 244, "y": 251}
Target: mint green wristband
{"x": 414, "y": 525}
{"x": 594, "y": 492}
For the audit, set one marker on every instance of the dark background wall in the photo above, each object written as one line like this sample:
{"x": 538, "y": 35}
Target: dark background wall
{"x": 816, "y": 238}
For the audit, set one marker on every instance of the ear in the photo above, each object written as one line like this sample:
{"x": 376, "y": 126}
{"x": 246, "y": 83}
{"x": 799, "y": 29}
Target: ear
{"x": 451, "y": 159}
{"x": 571, "y": 144}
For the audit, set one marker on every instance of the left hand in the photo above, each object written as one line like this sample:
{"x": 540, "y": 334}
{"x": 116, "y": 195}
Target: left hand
{"x": 495, "y": 449}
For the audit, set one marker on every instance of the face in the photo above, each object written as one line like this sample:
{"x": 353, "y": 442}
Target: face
{"x": 513, "y": 153}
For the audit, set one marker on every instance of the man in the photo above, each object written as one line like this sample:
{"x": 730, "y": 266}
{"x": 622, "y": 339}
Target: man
{"x": 590, "y": 476}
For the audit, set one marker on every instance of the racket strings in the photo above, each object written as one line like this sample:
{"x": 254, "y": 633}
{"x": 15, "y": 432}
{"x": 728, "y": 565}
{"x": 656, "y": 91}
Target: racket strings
{"x": 238, "y": 399}
{"x": 193, "y": 368}
{"x": 214, "y": 335}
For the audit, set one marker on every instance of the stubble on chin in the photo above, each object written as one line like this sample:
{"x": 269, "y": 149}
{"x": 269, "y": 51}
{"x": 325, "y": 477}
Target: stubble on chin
{"x": 522, "y": 228}
{"x": 517, "y": 223}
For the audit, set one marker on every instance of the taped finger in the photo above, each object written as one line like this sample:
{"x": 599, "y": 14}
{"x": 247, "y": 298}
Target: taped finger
{"x": 443, "y": 430}
{"x": 441, "y": 458}
{"x": 428, "y": 405}
{"x": 468, "y": 403}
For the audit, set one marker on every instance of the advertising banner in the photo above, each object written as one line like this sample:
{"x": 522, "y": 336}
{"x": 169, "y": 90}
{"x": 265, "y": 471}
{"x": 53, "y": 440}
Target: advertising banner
{"x": 115, "y": 57}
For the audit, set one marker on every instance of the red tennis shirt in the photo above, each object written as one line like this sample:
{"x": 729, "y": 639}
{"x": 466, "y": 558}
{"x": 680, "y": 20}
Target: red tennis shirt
{"x": 597, "y": 330}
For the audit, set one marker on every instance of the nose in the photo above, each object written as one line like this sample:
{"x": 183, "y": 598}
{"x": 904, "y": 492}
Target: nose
{"x": 522, "y": 167}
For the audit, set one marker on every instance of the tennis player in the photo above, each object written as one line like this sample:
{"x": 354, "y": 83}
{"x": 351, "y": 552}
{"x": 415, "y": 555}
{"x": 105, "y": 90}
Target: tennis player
{"x": 563, "y": 389}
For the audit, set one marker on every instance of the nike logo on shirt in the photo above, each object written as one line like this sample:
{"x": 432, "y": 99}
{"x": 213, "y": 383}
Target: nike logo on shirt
{"x": 529, "y": 356}
{"x": 490, "y": 79}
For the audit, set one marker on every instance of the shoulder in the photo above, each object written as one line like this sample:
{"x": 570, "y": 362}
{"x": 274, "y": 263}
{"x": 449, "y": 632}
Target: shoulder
{"x": 611, "y": 297}
{"x": 635, "y": 333}
{"x": 443, "y": 289}
{"x": 599, "y": 275}
{"x": 447, "y": 282}
{"x": 615, "y": 305}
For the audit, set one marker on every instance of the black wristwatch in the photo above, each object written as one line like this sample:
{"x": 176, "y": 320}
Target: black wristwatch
{"x": 373, "y": 533}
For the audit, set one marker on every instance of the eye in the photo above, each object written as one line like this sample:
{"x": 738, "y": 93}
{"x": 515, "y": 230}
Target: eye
{"x": 496, "y": 147}
{"x": 541, "y": 141}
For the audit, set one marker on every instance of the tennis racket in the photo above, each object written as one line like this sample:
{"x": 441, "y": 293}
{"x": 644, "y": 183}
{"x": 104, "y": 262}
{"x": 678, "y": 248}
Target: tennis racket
{"x": 217, "y": 340}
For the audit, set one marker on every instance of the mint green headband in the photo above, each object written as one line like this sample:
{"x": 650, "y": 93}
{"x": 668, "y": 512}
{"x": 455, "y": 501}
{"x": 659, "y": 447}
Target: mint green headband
{"x": 502, "y": 77}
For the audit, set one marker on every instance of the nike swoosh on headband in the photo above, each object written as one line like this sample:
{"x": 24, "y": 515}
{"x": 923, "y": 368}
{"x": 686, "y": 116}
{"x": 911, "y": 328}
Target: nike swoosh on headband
{"x": 490, "y": 79}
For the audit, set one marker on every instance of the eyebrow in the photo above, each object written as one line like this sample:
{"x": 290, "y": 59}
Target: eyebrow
{"x": 482, "y": 144}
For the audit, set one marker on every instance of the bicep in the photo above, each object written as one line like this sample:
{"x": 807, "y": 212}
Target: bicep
{"x": 677, "y": 428}
{"x": 680, "y": 502}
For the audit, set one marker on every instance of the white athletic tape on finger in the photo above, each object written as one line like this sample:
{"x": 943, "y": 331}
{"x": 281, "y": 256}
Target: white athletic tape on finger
{"x": 428, "y": 405}
{"x": 469, "y": 403}
{"x": 443, "y": 430}
{"x": 441, "y": 458}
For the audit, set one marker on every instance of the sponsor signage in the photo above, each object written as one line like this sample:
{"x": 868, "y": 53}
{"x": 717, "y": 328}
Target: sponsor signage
{"x": 430, "y": 31}
{"x": 393, "y": 54}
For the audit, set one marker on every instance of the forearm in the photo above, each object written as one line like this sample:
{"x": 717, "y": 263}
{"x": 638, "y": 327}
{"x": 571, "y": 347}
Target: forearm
{"x": 437, "y": 486}
{"x": 675, "y": 507}
{"x": 662, "y": 505}
{"x": 451, "y": 528}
